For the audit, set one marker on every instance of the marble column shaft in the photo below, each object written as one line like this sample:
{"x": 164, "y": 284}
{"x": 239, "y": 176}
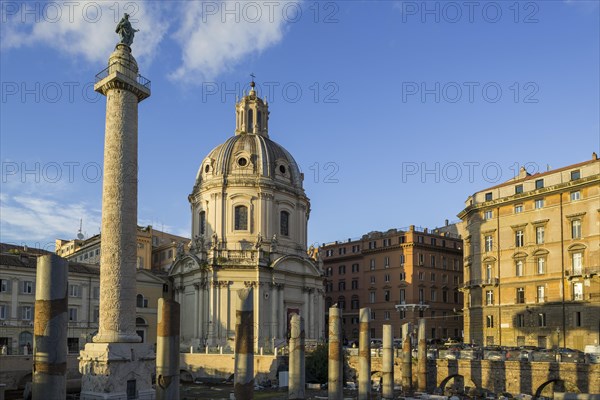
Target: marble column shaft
{"x": 118, "y": 253}
{"x": 50, "y": 329}
{"x": 243, "y": 386}
{"x": 167, "y": 350}
{"x": 406, "y": 360}
{"x": 297, "y": 379}
{"x": 364, "y": 355}
{"x": 387, "y": 367}
{"x": 335, "y": 366}
{"x": 422, "y": 357}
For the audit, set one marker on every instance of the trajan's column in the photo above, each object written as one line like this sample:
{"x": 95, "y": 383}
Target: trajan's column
{"x": 116, "y": 364}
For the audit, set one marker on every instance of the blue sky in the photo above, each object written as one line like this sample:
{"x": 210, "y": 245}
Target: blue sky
{"x": 406, "y": 108}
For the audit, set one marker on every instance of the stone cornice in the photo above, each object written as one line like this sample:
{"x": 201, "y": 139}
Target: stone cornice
{"x": 117, "y": 80}
{"x": 576, "y": 215}
{"x": 561, "y": 187}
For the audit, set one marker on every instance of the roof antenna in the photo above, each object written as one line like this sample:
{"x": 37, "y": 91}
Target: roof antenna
{"x": 79, "y": 234}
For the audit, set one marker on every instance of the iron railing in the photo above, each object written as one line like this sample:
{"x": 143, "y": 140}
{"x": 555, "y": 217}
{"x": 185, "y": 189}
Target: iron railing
{"x": 142, "y": 80}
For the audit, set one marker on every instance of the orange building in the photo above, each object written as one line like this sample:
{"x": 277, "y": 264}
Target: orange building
{"x": 401, "y": 275}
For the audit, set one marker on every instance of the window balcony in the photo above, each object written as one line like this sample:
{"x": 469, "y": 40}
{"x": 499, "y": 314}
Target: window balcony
{"x": 480, "y": 282}
{"x": 542, "y": 299}
{"x": 580, "y": 271}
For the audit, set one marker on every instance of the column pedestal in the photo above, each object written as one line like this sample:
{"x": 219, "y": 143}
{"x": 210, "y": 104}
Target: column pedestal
{"x": 112, "y": 370}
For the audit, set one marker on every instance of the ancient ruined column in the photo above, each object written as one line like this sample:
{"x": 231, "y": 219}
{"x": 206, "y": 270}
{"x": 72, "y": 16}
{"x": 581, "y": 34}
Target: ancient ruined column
{"x": 243, "y": 386}
{"x": 406, "y": 360}
{"x": 387, "y": 363}
{"x": 50, "y": 328}
{"x": 335, "y": 371}
{"x": 116, "y": 364}
{"x": 297, "y": 381}
{"x": 167, "y": 350}
{"x": 364, "y": 355}
{"x": 422, "y": 357}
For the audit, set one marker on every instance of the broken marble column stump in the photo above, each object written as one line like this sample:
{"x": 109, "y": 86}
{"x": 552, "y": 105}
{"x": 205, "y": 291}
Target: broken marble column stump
{"x": 243, "y": 386}
{"x": 364, "y": 355}
{"x": 387, "y": 361}
{"x": 335, "y": 365}
{"x": 50, "y": 329}
{"x": 422, "y": 357}
{"x": 297, "y": 380}
{"x": 167, "y": 350}
{"x": 406, "y": 359}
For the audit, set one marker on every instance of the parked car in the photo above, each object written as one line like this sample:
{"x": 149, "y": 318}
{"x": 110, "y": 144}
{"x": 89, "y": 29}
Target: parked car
{"x": 592, "y": 353}
{"x": 432, "y": 353}
{"x": 544, "y": 355}
{"x": 450, "y": 353}
{"x": 494, "y": 353}
{"x": 570, "y": 355}
{"x": 522, "y": 353}
{"x": 470, "y": 353}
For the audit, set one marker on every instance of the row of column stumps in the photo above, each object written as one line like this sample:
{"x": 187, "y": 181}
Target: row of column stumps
{"x": 49, "y": 378}
{"x": 335, "y": 367}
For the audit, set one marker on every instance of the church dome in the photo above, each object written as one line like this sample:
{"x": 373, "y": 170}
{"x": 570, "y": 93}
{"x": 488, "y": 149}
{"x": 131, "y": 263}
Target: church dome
{"x": 250, "y": 153}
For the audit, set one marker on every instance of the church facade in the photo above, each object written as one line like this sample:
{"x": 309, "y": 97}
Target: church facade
{"x": 249, "y": 229}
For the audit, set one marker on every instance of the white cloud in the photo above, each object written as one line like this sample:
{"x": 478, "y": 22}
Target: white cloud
{"x": 83, "y": 28}
{"x": 42, "y": 220}
{"x": 215, "y": 36}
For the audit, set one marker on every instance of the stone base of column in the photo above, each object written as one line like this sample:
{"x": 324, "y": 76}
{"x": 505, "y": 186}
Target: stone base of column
{"x": 111, "y": 370}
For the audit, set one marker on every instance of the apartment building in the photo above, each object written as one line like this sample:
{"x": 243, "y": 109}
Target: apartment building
{"x": 155, "y": 249}
{"x": 532, "y": 259}
{"x": 17, "y": 300}
{"x": 401, "y": 275}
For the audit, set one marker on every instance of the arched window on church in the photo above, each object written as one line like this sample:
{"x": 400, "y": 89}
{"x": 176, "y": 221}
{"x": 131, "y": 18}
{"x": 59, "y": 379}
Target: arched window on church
{"x": 202, "y": 223}
{"x": 284, "y": 223}
{"x": 241, "y": 218}
{"x": 250, "y": 121}
{"x": 140, "y": 301}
